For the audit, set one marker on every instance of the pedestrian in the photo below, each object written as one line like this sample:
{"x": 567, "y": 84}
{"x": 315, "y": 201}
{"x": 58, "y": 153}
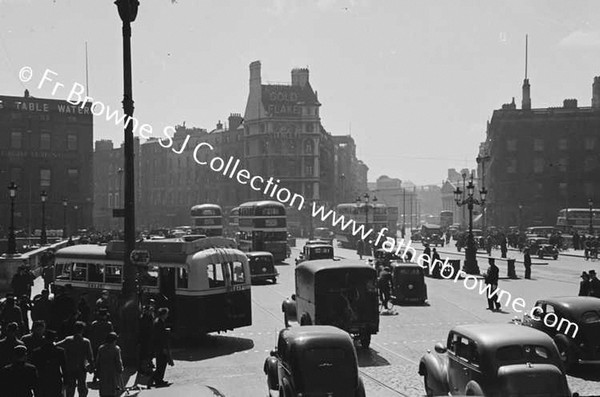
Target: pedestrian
{"x": 503, "y": 247}
{"x": 575, "y": 240}
{"x": 41, "y": 307}
{"x": 99, "y": 331}
{"x": 145, "y": 339}
{"x": 584, "y": 285}
{"x": 360, "y": 248}
{"x": 594, "y": 284}
{"x": 83, "y": 309}
{"x": 35, "y": 340}
{"x": 109, "y": 367}
{"x": 51, "y": 365}
{"x": 79, "y": 360}
{"x": 64, "y": 307}
{"x": 19, "y": 379}
{"x": 25, "y": 306}
{"x": 427, "y": 253}
{"x": 48, "y": 275}
{"x": 102, "y": 303}
{"x": 488, "y": 245}
{"x": 11, "y": 313}
{"x": 527, "y": 263}
{"x": 8, "y": 343}
{"x": 384, "y": 284}
{"x": 22, "y": 282}
{"x": 492, "y": 276}
{"x": 162, "y": 350}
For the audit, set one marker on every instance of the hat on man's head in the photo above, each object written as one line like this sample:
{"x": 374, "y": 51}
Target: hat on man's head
{"x": 19, "y": 351}
{"x": 584, "y": 274}
{"x": 592, "y": 272}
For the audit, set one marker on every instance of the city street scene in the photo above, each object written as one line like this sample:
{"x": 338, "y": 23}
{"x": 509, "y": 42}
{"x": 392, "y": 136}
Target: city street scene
{"x": 299, "y": 198}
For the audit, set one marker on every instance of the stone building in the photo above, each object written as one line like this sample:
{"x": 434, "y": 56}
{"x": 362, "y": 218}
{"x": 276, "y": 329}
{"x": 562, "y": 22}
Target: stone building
{"x": 542, "y": 160}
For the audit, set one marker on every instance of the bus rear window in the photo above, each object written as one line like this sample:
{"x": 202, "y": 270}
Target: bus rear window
{"x": 237, "y": 272}
{"x": 113, "y": 274}
{"x": 63, "y": 271}
{"x": 79, "y": 272}
{"x": 215, "y": 275}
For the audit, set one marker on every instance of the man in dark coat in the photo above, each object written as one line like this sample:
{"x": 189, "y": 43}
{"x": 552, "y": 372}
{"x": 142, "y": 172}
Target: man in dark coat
{"x": 575, "y": 240}
{"x": 427, "y": 251}
{"x": 11, "y": 313}
{"x": 360, "y": 248}
{"x": 35, "y": 340}
{"x": 51, "y": 365}
{"x": 8, "y": 343}
{"x": 491, "y": 278}
{"x": 584, "y": 285}
{"x": 503, "y": 246}
{"x": 162, "y": 349}
{"x": 145, "y": 339}
{"x": 19, "y": 379}
{"x": 527, "y": 263}
{"x": 42, "y": 307}
{"x": 594, "y": 284}
{"x": 22, "y": 282}
{"x": 78, "y": 353}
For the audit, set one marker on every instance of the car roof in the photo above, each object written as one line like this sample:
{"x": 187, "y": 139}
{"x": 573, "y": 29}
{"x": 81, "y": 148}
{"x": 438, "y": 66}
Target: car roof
{"x": 314, "y": 335}
{"x": 405, "y": 264}
{"x": 258, "y": 253}
{"x": 493, "y": 336}
{"x": 320, "y": 264}
{"x": 574, "y": 304}
{"x": 320, "y": 246}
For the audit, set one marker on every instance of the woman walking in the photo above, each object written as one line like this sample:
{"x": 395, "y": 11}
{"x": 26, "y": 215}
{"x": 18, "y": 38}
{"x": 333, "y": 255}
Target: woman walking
{"x": 109, "y": 367}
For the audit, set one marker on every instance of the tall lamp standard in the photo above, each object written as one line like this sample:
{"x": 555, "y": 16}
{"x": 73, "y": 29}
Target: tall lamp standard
{"x": 470, "y": 251}
{"x": 591, "y": 205}
{"x": 367, "y": 203}
{"x": 65, "y": 204}
{"x": 12, "y": 240}
{"x": 44, "y": 236}
{"x": 128, "y": 10}
{"x": 520, "y": 217}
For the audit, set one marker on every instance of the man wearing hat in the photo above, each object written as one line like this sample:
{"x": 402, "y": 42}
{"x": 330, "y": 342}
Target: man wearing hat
{"x": 8, "y": 343}
{"x": 19, "y": 378}
{"x": 109, "y": 367}
{"x": 11, "y": 312}
{"x": 594, "y": 284}
{"x": 162, "y": 350}
{"x": 584, "y": 284}
{"x": 50, "y": 362}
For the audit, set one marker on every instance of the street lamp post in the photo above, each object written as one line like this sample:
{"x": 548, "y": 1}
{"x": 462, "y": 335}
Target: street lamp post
{"x": 591, "y": 205}
{"x": 43, "y": 236}
{"x": 12, "y": 240}
{"x": 470, "y": 251}
{"x": 128, "y": 10}
{"x": 367, "y": 203}
{"x": 520, "y": 217}
{"x": 65, "y": 204}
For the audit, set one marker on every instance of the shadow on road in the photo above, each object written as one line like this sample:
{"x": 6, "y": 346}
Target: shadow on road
{"x": 370, "y": 358}
{"x": 210, "y": 346}
{"x": 586, "y": 372}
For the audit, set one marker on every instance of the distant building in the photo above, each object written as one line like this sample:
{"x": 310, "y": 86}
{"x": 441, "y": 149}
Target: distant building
{"x": 46, "y": 145}
{"x": 542, "y": 160}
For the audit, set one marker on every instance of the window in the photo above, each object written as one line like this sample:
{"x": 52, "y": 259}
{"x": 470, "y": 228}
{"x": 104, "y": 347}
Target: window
{"x": 71, "y": 142}
{"x": 16, "y": 174}
{"x": 538, "y": 145}
{"x": 63, "y": 271}
{"x": 110, "y": 200}
{"x": 562, "y": 164}
{"x": 73, "y": 174}
{"x": 261, "y": 127}
{"x": 562, "y": 189}
{"x": 511, "y": 167}
{"x": 16, "y": 140}
{"x": 237, "y": 272}
{"x": 562, "y": 144}
{"x": 182, "y": 278}
{"x": 45, "y": 177}
{"x": 113, "y": 274}
{"x": 590, "y": 143}
{"x": 45, "y": 141}
{"x": 149, "y": 276}
{"x": 96, "y": 272}
{"x": 215, "y": 275}
{"x": 308, "y": 146}
{"x": 590, "y": 163}
{"x": 511, "y": 145}
{"x": 310, "y": 127}
{"x": 79, "y": 272}
{"x": 538, "y": 165}
{"x": 308, "y": 170}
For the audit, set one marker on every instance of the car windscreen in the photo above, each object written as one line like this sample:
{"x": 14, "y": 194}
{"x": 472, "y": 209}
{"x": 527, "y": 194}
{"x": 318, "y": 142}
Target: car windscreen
{"x": 523, "y": 353}
{"x": 408, "y": 270}
{"x": 590, "y": 317}
{"x": 322, "y": 251}
{"x": 325, "y": 370}
{"x": 261, "y": 260}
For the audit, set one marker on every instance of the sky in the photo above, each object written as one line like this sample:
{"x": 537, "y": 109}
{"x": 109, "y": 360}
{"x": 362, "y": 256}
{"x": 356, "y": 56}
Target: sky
{"x": 413, "y": 82}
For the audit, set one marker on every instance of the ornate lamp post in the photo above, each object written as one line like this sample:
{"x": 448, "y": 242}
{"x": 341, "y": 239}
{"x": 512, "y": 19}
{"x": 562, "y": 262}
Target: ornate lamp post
{"x": 43, "y": 236}
{"x": 470, "y": 251}
{"x": 591, "y": 205}
{"x": 128, "y": 10}
{"x": 65, "y": 204}
{"x": 12, "y": 241}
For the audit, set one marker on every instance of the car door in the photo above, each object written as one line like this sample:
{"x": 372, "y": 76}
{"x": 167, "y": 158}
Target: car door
{"x": 459, "y": 367}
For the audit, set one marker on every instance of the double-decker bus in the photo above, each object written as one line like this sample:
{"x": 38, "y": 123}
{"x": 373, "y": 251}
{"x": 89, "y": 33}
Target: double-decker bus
{"x": 446, "y": 219}
{"x": 570, "y": 219}
{"x": 377, "y": 219}
{"x": 207, "y": 219}
{"x": 234, "y": 221}
{"x": 204, "y": 282}
{"x": 263, "y": 227}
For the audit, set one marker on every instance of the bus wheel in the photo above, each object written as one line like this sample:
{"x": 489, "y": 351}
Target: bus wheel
{"x": 305, "y": 319}
{"x": 365, "y": 340}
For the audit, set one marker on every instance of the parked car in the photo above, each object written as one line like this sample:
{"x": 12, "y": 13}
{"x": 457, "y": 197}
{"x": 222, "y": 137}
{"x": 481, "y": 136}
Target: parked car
{"x": 316, "y": 360}
{"x": 545, "y": 250}
{"x": 323, "y": 233}
{"x": 534, "y": 244}
{"x": 262, "y": 267}
{"x": 408, "y": 280}
{"x": 583, "y": 347}
{"x": 495, "y": 360}
{"x": 432, "y": 234}
{"x": 315, "y": 251}
{"x": 342, "y": 293}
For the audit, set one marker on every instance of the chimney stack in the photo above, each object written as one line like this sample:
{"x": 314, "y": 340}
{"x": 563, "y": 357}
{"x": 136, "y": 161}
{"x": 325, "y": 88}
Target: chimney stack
{"x": 596, "y": 93}
{"x": 300, "y": 76}
{"x": 235, "y": 120}
{"x": 255, "y": 74}
{"x": 219, "y": 125}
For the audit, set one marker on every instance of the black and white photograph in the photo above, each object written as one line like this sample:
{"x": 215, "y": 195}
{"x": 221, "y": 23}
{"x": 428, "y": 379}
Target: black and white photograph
{"x": 285, "y": 198}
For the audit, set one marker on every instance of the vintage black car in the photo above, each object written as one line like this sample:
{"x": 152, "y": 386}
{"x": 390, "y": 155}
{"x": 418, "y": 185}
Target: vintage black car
{"x": 323, "y": 233}
{"x": 315, "y": 250}
{"x": 384, "y": 258}
{"x": 408, "y": 283}
{"x": 262, "y": 267}
{"x": 577, "y": 329}
{"x": 313, "y": 361}
{"x": 547, "y": 250}
{"x": 342, "y": 293}
{"x": 495, "y": 360}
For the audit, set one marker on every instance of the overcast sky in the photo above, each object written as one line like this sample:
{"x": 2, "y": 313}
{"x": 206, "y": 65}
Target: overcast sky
{"x": 414, "y": 82}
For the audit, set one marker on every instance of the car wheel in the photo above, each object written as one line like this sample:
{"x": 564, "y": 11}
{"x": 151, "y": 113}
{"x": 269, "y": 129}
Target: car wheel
{"x": 274, "y": 280}
{"x": 365, "y": 340}
{"x": 428, "y": 390}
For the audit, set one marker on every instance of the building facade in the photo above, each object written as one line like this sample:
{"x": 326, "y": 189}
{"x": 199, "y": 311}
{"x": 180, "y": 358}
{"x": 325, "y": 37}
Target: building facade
{"x": 542, "y": 160}
{"x": 46, "y": 145}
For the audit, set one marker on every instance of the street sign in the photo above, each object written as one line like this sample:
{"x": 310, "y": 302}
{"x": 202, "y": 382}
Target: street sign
{"x": 118, "y": 212}
{"x": 140, "y": 257}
